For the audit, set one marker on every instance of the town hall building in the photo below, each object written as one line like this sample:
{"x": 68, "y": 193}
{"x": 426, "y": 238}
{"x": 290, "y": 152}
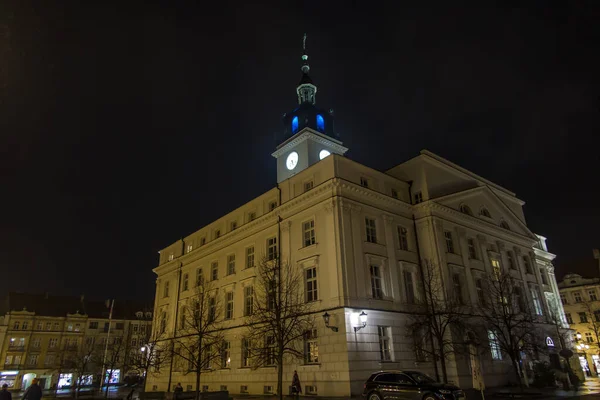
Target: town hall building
{"x": 359, "y": 235}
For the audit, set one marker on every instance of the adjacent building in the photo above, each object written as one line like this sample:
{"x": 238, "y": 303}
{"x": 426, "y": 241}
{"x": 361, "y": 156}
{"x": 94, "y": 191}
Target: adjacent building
{"x": 359, "y": 235}
{"x": 579, "y": 297}
{"x": 42, "y": 336}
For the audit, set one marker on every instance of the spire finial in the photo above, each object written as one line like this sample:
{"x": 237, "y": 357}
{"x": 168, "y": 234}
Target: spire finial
{"x": 305, "y": 66}
{"x": 304, "y": 43}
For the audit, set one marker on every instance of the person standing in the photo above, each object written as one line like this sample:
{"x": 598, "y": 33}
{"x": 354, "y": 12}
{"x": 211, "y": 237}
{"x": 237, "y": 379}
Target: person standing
{"x": 34, "y": 392}
{"x": 296, "y": 385}
{"x": 178, "y": 390}
{"x": 4, "y": 393}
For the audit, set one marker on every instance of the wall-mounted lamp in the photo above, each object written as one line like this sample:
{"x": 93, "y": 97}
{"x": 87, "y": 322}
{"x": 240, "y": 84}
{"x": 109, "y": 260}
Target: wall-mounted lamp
{"x": 362, "y": 318}
{"x": 326, "y": 319}
{"x": 578, "y": 336}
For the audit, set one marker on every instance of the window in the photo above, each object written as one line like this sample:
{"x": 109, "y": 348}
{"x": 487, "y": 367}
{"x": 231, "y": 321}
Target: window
{"x": 166, "y": 289}
{"x": 199, "y": 277}
{"x": 272, "y": 248}
{"x": 40, "y": 326}
{"x": 182, "y": 320}
{"x": 588, "y": 337}
{"x": 226, "y": 355}
{"x": 212, "y": 309}
{"x": 231, "y": 264}
{"x": 35, "y": 342}
{"x": 563, "y": 299}
{"x": 214, "y": 271}
{"x": 308, "y": 229}
{"x": 465, "y": 209}
{"x": 69, "y": 327}
{"x": 33, "y": 359}
{"x": 376, "y": 288}
{"x": 537, "y": 305}
{"x": 217, "y": 233}
{"x": 207, "y": 356}
{"x": 597, "y": 315}
{"x": 202, "y": 241}
{"x": 320, "y": 123}
{"x": 25, "y": 325}
{"x": 409, "y": 287}
{"x": 250, "y": 257}
{"x": 458, "y": 295}
{"x": 49, "y": 359}
{"x": 496, "y": 268}
{"x": 89, "y": 341}
{"x": 311, "y": 347}
{"x": 591, "y": 293}
{"x": 243, "y": 389}
{"x": 311, "y": 284}
{"x": 77, "y": 327}
{"x": 394, "y": 193}
{"x": 16, "y": 325}
{"x": 577, "y": 296}
{"x": 245, "y": 353}
{"x": 527, "y": 265}
{"x": 449, "y": 242}
{"x": 364, "y": 182}
{"x": 272, "y": 205}
{"x": 371, "y": 229}
{"x": 485, "y": 213}
{"x": 268, "y": 390}
{"x": 494, "y": 346}
{"x": 504, "y": 224}
{"x": 385, "y": 346}
{"x": 294, "y": 124}
{"x": 418, "y": 197}
{"x": 310, "y": 389}
{"x": 224, "y": 387}
{"x": 519, "y": 299}
{"x": 583, "y": 318}
{"x": 171, "y": 256}
{"x": 270, "y": 348}
{"x": 163, "y": 322}
{"x": 403, "y": 238}
{"x": 480, "y": 292}
{"x": 543, "y": 275}
{"x": 185, "y": 282}
{"x": 56, "y": 326}
{"x": 93, "y": 325}
{"x": 308, "y": 185}
{"x": 189, "y": 248}
{"x": 248, "y": 300}
{"x": 229, "y": 305}
{"x": 511, "y": 260}
{"x": 272, "y": 295}
{"x": 133, "y": 342}
{"x": 569, "y": 318}
{"x": 52, "y": 343}
{"x": 472, "y": 249}
{"x": 251, "y": 216}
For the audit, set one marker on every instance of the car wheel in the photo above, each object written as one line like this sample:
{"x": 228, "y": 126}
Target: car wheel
{"x": 374, "y": 396}
{"x": 429, "y": 397}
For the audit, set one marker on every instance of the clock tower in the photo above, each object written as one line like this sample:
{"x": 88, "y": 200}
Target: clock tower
{"x": 308, "y": 130}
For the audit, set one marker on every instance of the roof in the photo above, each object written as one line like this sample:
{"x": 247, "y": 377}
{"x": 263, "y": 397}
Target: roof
{"x": 305, "y": 79}
{"x": 59, "y": 306}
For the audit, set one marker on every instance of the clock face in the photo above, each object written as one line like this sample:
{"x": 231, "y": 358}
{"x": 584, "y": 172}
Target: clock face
{"x": 323, "y": 154}
{"x": 292, "y": 160}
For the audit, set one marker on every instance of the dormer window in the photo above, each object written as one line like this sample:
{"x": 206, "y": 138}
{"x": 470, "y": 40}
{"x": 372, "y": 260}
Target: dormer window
{"x": 465, "y": 209}
{"x": 504, "y": 225}
{"x": 294, "y": 124}
{"x": 364, "y": 182}
{"x": 320, "y": 123}
{"x": 485, "y": 213}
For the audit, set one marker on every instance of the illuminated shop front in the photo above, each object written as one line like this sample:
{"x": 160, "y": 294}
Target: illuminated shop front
{"x": 8, "y": 378}
{"x": 65, "y": 380}
{"x": 115, "y": 378}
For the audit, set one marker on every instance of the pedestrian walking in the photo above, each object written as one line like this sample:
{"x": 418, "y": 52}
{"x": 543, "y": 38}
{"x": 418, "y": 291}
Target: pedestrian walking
{"x": 296, "y": 385}
{"x": 4, "y": 393}
{"x": 33, "y": 392}
{"x": 178, "y": 390}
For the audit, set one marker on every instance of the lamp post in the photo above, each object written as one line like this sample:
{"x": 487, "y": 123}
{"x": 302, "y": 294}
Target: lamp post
{"x": 362, "y": 321}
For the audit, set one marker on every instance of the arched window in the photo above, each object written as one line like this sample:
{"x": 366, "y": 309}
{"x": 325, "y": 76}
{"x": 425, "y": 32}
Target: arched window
{"x": 465, "y": 209}
{"x": 504, "y": 225}
{"x": 320, "y": 123}
{"x": 294, "y": 124}
{"x": 484, "y": 211}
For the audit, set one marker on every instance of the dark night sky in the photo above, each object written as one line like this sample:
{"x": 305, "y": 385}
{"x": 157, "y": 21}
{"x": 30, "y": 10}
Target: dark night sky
{"x": 126, "y": 126}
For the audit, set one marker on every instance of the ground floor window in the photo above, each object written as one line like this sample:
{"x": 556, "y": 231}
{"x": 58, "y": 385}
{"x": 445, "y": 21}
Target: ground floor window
{"x": 115, "y": 377}
{"x": 65, "y": 380}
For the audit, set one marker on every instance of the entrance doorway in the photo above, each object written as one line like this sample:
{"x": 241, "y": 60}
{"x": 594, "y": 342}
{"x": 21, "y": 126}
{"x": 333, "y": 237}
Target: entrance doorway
{"x": 27, "y": 379}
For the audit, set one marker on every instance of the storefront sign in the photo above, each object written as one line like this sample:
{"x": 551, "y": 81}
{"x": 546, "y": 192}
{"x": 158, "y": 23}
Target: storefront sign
{"x": 549, "y": 342}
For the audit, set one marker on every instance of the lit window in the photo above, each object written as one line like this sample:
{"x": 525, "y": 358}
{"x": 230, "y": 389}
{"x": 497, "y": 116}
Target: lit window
{"x": 231, "y": 264}
{"x": 376, "y": 287}
{"x": 171, "y": 256}
{"x": 323, "y": 154}
{"x": 294, "y": 124}
{"x": 577, "y": 296}
{"x": 311, "y": 347}
{"x": 250, "y": 257}
{"x": 226, "y": 355}
{"x": 591, "y": 293}
{"x": 229, "y": 305}
{"x": 308, "y": 229}
{"x": 214, "y": 271}
{"x": 496, "y": 268}
{"x": 185, "y": 282}
{"x": 311, "y": 284}
{"x": 449, "y": 242}
{"x": 385, "y": 343}
{"x": 272, "y": 248}
{"x": 189, "y": 248}
{"x": 320, "y": 123}
{"x": 394, "y": 193}
{"x": 494, "y": 346}
{"x": 485, "y": 213}
{"x": 248, "y": 300}
{"x": 403, "y": 238}
{"x": 308, "y": 185}
{"x": 409, "y": 287}
{"x": 418, "y": 197}
{"x": 472, "y": 249}
{"x": 371, "y": 229}
{"x": 364, "y": 182}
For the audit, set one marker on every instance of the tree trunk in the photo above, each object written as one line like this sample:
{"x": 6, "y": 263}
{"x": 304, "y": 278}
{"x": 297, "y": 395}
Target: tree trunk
{"x": 515, "y": 364}
{"x": 442, "y": 359}
{"x": 198, "y": 372}
{"x": 280, "y": 375}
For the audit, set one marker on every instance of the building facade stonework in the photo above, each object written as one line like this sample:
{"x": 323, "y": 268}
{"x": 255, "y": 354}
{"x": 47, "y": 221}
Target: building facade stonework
{"x": 360, "y": 236}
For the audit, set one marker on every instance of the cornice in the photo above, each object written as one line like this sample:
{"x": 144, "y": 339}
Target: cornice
{"x": 544, "y": 254}
{"x": 309, "y": 134}
{"x": 365, "y": 192}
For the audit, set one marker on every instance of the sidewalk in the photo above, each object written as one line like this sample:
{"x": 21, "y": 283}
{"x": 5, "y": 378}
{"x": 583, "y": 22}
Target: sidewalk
{"x": 590, "y": 386}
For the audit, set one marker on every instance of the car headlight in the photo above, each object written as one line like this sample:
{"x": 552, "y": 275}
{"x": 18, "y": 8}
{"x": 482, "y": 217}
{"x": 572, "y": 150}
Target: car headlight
{"x": 444, "y": 391}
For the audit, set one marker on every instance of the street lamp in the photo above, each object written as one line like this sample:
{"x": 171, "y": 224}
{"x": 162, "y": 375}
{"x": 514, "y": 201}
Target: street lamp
{"x": 578, "y": 336}
{"x": 362, "y": 318}
{"x": 326, "y": 317}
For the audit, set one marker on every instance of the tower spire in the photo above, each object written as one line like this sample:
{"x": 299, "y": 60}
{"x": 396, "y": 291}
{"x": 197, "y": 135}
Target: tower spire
{"x": 306, "y": 90}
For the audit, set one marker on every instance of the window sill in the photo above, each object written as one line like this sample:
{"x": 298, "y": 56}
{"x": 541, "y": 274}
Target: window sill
{"x": 310, "y": 365}
{"x": 306, "y": 247}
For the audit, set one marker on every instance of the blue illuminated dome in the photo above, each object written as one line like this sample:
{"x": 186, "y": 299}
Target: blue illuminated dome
{"x": 320, "y": 123}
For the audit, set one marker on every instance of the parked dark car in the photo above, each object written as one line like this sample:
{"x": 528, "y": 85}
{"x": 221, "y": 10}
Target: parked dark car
{"x": 404, "y": 385}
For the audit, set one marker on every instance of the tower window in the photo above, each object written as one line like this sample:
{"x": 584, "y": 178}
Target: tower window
{"x": 320, "y": 123}
{"x": 294, "y": 124}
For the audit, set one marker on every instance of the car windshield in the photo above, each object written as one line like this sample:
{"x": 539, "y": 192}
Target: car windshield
{"x": 421, "y": 378}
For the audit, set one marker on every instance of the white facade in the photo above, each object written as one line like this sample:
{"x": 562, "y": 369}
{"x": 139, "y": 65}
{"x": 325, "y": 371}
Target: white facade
{"x": 362, "y": 218}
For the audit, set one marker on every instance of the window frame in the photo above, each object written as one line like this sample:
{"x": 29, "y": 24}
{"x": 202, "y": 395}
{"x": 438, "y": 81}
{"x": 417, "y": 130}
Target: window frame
{"x": 250, "y": 256}
{"x": 272, "y": 248}
{"x": 311, "y": 347}
{"x": 229, "y": 309}
{"x": 402, "y": 232}
{"x": 472, "y": 249}
{"x": 308, "y": 233}
{"x": 385, "y": 343}
{"x": 231, "y": 264}
{"x": 449, "y": 240}
{"x": 313, "y": 280}
{"x": 376, "y": 280}
{"x": 371, "y": 229}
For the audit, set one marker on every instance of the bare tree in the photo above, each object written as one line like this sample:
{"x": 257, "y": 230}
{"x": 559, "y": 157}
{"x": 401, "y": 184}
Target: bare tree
{"x": 199, "y": 340}
{"x": 114, "y": 358}
{"x": 280, "y": 316}
{"x": 509, "y": 321}
{"x": 592, "y": 315}
{"x": 439, "y": 317}
{"x": 64, "y": 361}
{"x": 82, "y": 359}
